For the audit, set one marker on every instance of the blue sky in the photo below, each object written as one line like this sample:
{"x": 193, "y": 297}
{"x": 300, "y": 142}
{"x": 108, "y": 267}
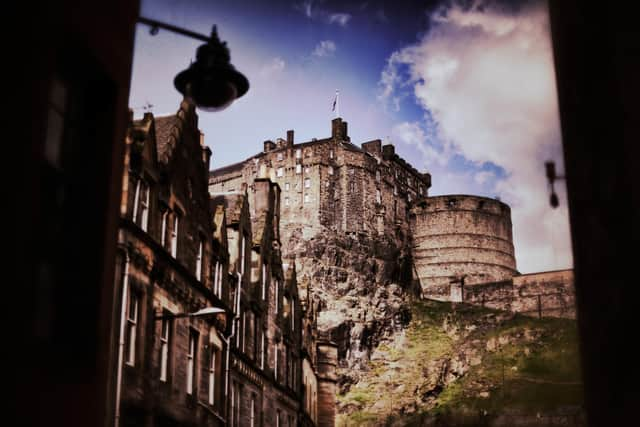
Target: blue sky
{"x": 464, "y": 90}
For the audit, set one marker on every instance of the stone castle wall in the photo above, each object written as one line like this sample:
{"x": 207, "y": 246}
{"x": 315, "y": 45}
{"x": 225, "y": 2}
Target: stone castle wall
{"x": 331, "y": 183}
{"x": 458, "y": 236}
{"x": 547, "y": 294}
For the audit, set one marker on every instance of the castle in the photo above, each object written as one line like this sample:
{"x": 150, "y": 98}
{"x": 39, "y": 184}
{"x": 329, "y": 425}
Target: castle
{"x": 461, "y": 245}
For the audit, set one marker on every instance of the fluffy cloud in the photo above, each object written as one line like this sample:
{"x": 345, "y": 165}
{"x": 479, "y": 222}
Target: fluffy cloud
{"x": 324, "y": 48}
{"x": 341, "y": 19}
{"x": 486, "y": 77}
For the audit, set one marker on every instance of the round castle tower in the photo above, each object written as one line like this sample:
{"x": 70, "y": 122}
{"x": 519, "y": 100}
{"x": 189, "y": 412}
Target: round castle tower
{"x": 461, "y": 236}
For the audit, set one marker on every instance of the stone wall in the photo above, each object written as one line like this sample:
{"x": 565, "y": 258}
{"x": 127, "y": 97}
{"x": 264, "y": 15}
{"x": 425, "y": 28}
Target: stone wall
{"x": 459, "y": 236}
{"x": 548, "y": 294}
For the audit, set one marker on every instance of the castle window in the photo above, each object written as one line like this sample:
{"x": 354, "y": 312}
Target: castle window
{"x": 409, "y": 197}
{"x": 307, "y": 183}
{"x": 395, "y": 190}
{"x": 264, "y": 281}
{"x": 280, "y": 172}
{"x": 298, "y": 169}
{"x": 307, "y": 199}
{"x": 280, "y": 156}
{"x": 298, "y": 153}
{"x": 378, "y": 175}
{"x": 378, "y": 196}
{"x": 352, "y": 186}
{"x": 253, "y": 411}
{"x": 263, "y": 349}
{"x": 242, "y": 253}
{"x": 331, "y": 154}
{"x": 330, "y": 170}
{"x": 408, "y": 180}
{"x": 286, "y": 201}
{"x": 275, "y": 360}
{"x": 351, "y": 171}
{"x": 307, "y": 170}
{"x": 286, "y": 186}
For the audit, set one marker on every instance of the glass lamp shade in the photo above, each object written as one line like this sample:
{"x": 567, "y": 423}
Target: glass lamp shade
{"x": 211, "y": 82}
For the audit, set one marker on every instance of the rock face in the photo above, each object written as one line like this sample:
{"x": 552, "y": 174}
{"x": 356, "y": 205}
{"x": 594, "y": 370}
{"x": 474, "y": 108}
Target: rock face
{"x": 363, "y": 284}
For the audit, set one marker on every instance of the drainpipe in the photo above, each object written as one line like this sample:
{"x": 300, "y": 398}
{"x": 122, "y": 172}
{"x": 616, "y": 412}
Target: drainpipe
{"x": 123, "y": 313}
{"x": 229, "y": 340}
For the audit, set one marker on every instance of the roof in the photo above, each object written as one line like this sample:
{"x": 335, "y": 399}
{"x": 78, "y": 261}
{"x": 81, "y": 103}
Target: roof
{"x": 167, "y": 131}
{"x": 232, "y": 202}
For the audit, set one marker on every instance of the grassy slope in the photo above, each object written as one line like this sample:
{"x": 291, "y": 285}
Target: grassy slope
{"x": 467, "y": 362}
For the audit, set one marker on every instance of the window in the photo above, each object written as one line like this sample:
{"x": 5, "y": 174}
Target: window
{"x": 275, "y": 360}
{"x": 242, "y": 251}
{"x": 378, "y": 175}
{"x": 395, "y": 190}
{"x": 191, "y": 360}
{"x": 174, "y": 235}
{"x": 164, "y": 349}
{"x": 276, "y": 302}
{"x": 331, "y": 154}
{"x": 298, "y": 153}
{"x": 330, "y": 170}
{"x": 132, "y": 326}
{"x": 307, "y": 198}
{"x": 307, "y": 183}
{"x": 217, "y": 279}
{"x": 352, "y": 186}
{"x": 408, "y": 180}
{"x": 199, "y": 260}
{"x": 264, "y": 281}
{"x": 378, "y": 196}
{"x": 293, "y": 314}
{"x": 409, "y": 197}
{"x": 307, "y": 170}
{"x": 212, "y": 376}
{"x": 280, "y": 156}
{"x": 141, "y": 205}
{"x": 263, "y": 349}
{"x": 163, "y": 228}
{"x": 244, "y": 330}
{"x": 238, "y": 331}
{"x": 298, "y": 169}
{"x": 286, "y": 201}
{"x": 286, "y": 186}
{"x": 253, "y": 411}
{"x": 280, "y": 172}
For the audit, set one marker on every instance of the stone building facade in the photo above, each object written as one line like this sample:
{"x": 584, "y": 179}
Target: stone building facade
{"x": 332, "y": 183}
{"x": 211, "y": 323}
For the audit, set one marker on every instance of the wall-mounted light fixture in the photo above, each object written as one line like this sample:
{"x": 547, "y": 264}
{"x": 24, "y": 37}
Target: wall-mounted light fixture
{"x": 550, "y": 167}
{"x": 211, "y": 83}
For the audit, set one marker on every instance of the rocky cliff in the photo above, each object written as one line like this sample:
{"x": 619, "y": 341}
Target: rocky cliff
{"x": 468, "y": 366}
{"x": 364, "y": 286}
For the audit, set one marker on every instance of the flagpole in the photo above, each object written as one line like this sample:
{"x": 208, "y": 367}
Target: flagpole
{"x": 337, "y": 104}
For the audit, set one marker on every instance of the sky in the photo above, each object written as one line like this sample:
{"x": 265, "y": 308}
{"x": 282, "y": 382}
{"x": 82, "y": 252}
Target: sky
{"x": 465, "y": 90}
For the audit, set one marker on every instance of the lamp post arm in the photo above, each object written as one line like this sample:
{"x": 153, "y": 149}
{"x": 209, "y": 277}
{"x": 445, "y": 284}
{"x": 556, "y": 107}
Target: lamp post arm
{"x": 157, "y": 24}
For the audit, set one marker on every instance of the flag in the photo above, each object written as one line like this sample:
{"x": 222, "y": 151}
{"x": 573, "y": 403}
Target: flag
{"x": 333, "y": 108}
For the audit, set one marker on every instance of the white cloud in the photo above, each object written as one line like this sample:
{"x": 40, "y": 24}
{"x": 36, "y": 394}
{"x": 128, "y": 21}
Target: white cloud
{"x": 339, "y": 18}
{"x": 412, "y": 134}
{"x": 313, "y": 11}
{"x": 487, "y": 78}
{"x": 275, "y": 66}
{"x": 324, "y": 48}
{"x": 484, "y": 176}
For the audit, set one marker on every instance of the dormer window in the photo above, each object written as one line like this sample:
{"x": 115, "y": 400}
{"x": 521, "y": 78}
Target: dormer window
{"x": 141, "y": 205}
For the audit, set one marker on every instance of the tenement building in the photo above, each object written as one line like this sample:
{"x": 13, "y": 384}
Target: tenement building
{"x": 212, "y": 328}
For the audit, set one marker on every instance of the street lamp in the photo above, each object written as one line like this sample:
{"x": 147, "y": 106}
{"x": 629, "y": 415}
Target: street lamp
{"x": 211, "y": 83}
{"x": 550, "y": 168}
